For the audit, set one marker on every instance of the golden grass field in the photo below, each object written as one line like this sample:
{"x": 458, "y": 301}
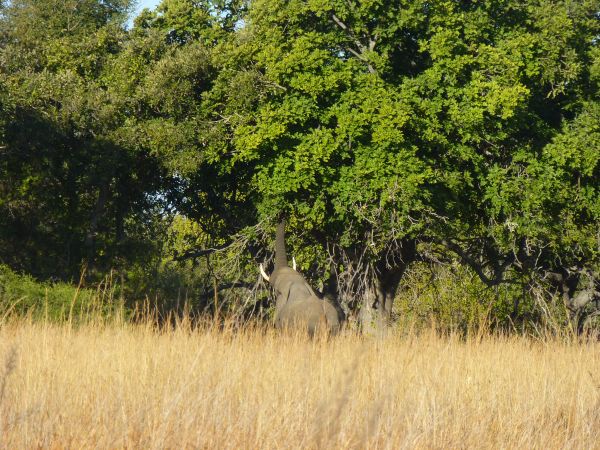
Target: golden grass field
{"x": 126, "y": 386}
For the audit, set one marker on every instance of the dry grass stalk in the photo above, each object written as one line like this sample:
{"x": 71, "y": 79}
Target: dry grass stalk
{"x": 126, "y": 386}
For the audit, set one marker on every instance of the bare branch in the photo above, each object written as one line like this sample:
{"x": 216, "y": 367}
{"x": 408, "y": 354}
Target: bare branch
{"x": 190, "y": 254}
{"x": 499, "y": 270}
{"x": 233, "y": 285}
{"x": 362, "y": 49}
{"x": 341, "y": 24}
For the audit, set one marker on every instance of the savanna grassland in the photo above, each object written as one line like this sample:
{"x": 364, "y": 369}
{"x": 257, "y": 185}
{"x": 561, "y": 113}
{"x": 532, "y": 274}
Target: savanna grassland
{"x": 136, "y": 386}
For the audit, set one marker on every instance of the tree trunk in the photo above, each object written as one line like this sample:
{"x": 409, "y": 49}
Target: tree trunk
{"x": 378, "y": 299}
{"x": 90, "y": 239}
{"x": 578, "y": 287}
{"x": 216, "y": 299}
{"x": 371, "y": 316}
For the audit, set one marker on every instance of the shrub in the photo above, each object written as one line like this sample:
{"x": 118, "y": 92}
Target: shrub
{"x": 453, "y": 298}
{"x": 56, "y": 301}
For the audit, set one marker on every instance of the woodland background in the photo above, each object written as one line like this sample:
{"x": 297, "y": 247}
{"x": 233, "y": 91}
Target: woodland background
{"x": 438, "y": 161}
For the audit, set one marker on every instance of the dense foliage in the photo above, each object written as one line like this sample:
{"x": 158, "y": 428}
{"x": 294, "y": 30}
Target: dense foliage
{"x": 390, "y": 133}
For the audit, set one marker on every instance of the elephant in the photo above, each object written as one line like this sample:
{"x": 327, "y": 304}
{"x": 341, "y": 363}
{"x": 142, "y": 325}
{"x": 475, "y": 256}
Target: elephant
{"x": 297, "y": 305}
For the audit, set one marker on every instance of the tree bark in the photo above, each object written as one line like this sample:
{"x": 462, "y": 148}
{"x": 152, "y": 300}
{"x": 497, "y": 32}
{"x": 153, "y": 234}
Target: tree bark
{"x": 378, "y": 300}
{"x": 216, "y": 298}
{"x": 579, "y": 287}
{"x": 90, "y": 239}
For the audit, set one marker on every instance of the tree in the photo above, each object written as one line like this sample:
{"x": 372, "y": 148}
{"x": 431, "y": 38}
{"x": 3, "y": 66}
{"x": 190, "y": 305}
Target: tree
{"x": 388, "y": 132}
{"x": 380, "y": 125}
{"x": 72, "y": 190}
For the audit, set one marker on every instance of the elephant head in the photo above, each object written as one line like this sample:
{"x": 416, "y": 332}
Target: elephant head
{"x": 297, "y": 304}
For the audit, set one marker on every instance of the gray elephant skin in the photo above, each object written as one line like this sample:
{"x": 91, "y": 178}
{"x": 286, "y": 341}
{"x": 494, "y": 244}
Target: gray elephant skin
{"x": 298, "y": 306}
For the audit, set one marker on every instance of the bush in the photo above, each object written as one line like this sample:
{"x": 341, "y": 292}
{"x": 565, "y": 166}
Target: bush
{"x": 453, "y": 298}
{"x": 23, "y": 295}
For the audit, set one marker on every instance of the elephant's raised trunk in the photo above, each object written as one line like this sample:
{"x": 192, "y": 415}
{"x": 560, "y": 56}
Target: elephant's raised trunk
{"x": 280, "y": 253}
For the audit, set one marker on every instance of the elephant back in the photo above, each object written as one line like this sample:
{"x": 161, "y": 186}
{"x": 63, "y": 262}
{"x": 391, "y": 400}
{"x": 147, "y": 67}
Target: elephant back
{"x": 311, "y": 314}
{"x": 291, "y": 285}
{"x": 305, "y": 314}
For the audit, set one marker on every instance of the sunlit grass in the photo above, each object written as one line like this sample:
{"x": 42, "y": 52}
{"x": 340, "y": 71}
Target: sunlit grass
{"x": 131, "y": 386}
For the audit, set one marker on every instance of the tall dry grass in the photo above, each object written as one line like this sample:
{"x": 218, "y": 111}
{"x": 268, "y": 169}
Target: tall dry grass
{"x": 133, "y": 386}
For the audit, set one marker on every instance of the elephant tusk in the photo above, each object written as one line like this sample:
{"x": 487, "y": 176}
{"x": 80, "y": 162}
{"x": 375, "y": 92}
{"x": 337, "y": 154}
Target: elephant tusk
{"x": 293, "y": 263}
{"x": 263, "y": 273}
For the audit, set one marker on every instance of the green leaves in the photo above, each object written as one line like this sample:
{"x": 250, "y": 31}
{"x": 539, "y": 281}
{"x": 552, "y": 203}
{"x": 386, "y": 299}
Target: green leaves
{"x": 71, "y": 181}
{"x": 367, "y": 122}
{"x": 377, "y": 116}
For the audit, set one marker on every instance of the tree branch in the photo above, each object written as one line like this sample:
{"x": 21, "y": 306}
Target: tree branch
{"x": 362, "y": 49}
{"x": 499, "y": 270}
{"x": 198, "y": 253}
{"x": 234, "y": 285}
